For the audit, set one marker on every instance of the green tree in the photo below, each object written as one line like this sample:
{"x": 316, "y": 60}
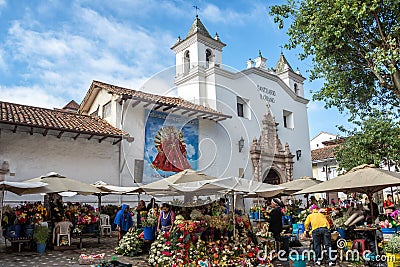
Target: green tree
{"x": 376, "y": 141}
{"x": 354, "y": 46}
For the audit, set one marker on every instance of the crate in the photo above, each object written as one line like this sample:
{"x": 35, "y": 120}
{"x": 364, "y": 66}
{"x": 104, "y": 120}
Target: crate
{"x": 85, "y": 259}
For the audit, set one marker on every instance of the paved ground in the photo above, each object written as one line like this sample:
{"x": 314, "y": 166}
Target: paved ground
{"x": 11, "y": 257}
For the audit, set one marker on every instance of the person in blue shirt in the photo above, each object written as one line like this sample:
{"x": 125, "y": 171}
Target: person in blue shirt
{"x": 123, "y": 220}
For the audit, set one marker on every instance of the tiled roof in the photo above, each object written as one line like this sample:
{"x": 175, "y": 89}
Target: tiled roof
{"x": 156, "y": 99}
{"x": 22, "y": 115}
{"x": 72, "y": 105}
{"x": 199, "y": 27}
{"x": 327, "y": 152}
{"x": 282, "y": 64}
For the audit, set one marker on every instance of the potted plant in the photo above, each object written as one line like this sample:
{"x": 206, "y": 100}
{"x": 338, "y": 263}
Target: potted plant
{"x": 40, "y": 236}
{"x": 392, "y": 250}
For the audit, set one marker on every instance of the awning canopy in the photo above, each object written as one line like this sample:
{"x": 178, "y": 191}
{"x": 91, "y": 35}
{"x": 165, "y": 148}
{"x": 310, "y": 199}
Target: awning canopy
{"x": 19, "y": 187}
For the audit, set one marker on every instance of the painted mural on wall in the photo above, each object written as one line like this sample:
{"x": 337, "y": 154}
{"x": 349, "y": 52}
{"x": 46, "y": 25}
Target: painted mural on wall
{"x": 171, "y": 145}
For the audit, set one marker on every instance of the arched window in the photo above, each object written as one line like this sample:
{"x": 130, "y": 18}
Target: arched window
{"x": 208, "y": 58}
{"x": 296, "y": 89}
{"x": 186, "y": 62}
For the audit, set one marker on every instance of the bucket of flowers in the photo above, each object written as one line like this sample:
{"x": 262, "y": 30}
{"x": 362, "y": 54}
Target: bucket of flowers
{"x": 149, "y": 224}
{"x": 130, "y": 245}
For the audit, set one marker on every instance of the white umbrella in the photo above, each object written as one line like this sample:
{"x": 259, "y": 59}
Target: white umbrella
{"x": 57, "y": 183}
{"x": 112, "y": 189}
{"x": 362, "y": 179}
{"x": 230, "y": 184}
{"x": 20, "y": 187}
{"x": 186, "y": 176}
{"x": 299, "y": 184}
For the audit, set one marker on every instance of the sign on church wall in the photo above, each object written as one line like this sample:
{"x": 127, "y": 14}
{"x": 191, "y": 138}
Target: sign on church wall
{"x": 171, "y": 145}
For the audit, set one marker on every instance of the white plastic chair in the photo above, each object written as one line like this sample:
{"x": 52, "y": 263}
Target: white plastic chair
{"x": 105, "y": 226}
{"x": 62, "y": 229}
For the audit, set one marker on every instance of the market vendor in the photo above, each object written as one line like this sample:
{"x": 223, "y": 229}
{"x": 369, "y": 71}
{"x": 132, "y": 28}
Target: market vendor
{"x": 320, "y": 234}
{"x": 275, "y": 219}
{"x": 140, "y": 210}
{"x": 166, "y": 218}
{"x": 123, "y": 220}
{"x": 388, "y": 205}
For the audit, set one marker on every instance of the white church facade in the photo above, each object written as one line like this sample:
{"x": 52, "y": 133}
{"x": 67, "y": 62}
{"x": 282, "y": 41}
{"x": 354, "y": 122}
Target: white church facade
{"x": 251, "y": 123}
{"x": 227, "y": 109}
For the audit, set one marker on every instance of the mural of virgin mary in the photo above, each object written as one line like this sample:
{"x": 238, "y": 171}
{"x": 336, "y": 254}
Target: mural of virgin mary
{"x": 171, "y": 147}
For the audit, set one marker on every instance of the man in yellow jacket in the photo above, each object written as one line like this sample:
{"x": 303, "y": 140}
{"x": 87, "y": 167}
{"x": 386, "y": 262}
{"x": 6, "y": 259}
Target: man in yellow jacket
{"x": 320, "y": 234}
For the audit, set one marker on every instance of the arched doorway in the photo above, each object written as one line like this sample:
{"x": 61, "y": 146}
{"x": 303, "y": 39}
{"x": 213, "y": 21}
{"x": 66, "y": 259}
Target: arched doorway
{"x": 272, "y": 177}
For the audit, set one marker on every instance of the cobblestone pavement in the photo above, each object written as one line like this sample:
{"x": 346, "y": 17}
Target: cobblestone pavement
{"x": 10, "y": 257}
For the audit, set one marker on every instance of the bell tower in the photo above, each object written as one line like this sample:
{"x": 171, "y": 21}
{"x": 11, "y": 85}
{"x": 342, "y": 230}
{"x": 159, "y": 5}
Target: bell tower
{"x": 196, "y": 55}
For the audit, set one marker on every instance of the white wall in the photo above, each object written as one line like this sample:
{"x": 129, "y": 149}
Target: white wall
{"x": 31, "y": 156}
{"x": 246, "y": 87}
{"x": 316, "y": 142}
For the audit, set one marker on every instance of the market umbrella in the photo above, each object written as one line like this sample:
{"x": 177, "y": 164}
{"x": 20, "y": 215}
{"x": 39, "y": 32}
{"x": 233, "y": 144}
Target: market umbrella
{"x": 362, "y": 179}
{"x": 57, "y": 183}
{"x": 19, "y": 187}
{"x": 184, "y": 176}
{"x": 299, "y": 184}
{"x": 230, "y": 184}
{"x": 113, "y": 189}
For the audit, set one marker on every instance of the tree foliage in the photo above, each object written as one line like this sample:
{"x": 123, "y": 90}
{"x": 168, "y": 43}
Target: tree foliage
{"x": 355, "y": 48}
{"x": 376, "y": 141}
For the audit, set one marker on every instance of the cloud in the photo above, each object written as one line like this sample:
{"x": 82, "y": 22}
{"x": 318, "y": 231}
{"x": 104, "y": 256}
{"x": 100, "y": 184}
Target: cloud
{"x": 3, "y": 3}
{"x": 215, "y": 14}
{"x": 92, "y": 47}
{"x": 315, "y": 106}
{"x": 229, "y": 16}
{"x": 33, "y": 96}
{"x": 3, "y": 65}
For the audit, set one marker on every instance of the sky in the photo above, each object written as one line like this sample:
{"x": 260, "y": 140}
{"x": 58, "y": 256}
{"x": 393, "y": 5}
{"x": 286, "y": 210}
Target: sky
{"x": 51, "y": 50}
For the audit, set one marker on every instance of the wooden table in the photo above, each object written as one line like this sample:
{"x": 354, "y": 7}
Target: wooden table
{"x": 86, "y": 235}
{"x": 18, "y": 240}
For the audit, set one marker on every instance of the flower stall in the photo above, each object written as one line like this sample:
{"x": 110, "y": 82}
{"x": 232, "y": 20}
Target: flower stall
{"x": 18, "y": 222}
{"x": 130, "y": 245}
{"x": 207, "y": 240}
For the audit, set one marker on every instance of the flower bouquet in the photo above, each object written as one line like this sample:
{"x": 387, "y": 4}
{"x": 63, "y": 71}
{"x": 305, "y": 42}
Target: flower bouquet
{"x": 129, "y": 245}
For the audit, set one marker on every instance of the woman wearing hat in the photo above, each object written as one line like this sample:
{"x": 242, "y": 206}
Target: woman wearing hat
{"x": 275, "y": 221}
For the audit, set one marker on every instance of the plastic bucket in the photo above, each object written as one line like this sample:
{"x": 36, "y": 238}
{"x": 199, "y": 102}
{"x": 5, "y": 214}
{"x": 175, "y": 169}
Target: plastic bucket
{"x": 295, "y": 229}
{"x": 149, "y": 233}
{"x": 251, "y": 215}
{"x": 40, "y": 248}
{"x": 297, "y": 261}
{"x": 388, "y": 233}
{"x": 342, "y": 232}
{"x": 28, "y": 230}
{"x": 14, "y": 231}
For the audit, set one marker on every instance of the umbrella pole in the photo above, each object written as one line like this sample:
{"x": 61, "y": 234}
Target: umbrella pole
{"x": 233, "y": 214}
{"x": 370, "y": 205}
{"x": 99, "y": 202}
{"x": 1, "y": 208}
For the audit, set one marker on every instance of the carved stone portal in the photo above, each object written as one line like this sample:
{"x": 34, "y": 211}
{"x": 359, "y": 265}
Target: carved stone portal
{"x": 272, "y": 162}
